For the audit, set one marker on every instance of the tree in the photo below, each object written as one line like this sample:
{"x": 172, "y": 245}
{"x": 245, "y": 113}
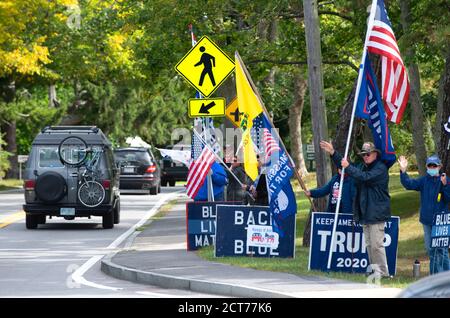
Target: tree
{"x": 316, "y": 93}
{"x": 295, "y": 121}
{"x": 23, "y": 57}
{"x": 444, "y": 146}
{"x": 417, "y": 117}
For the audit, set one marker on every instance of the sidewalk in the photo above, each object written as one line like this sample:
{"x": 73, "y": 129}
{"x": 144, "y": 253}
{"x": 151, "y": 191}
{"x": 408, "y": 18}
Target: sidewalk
{"x": 158, "y": 256}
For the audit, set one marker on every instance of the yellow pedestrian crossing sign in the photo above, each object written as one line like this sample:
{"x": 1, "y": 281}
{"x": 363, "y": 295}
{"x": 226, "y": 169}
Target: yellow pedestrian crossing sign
{"x": 233, "y": 114}
{"x": 206, "y": 107}
{"x": 205, "y": 66}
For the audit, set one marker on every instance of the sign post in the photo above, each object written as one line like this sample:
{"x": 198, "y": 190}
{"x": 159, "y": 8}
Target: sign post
{"x": 205, "y": 66}
{"x": 21, "y": 159}
{"x": 211, "y": 107}
{"x": 233, "y": 114}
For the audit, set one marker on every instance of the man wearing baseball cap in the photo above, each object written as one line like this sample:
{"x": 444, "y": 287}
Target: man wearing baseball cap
{"x": 372, "y": 205}
{"x": 434, "y": 191}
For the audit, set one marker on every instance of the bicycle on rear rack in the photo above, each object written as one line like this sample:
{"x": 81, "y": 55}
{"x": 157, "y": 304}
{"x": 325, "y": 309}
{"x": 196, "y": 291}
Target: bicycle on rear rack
{"x": 74, "y": 151}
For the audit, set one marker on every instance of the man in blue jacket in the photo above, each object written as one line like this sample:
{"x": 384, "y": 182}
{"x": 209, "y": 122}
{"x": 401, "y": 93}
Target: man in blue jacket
{"x": 219, "y": 180}
{"x": 372, "y": 204}
{"x": 332, "y": 189}
{"x": 434, "y": 191}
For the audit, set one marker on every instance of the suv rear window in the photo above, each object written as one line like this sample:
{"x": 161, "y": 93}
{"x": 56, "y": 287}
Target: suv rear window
{"x": 130, "y": 157}
{"x": 49, "y": 158}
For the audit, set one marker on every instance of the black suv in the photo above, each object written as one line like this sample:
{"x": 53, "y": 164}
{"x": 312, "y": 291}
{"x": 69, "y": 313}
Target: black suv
{"x": 139, "y": 169}
{"x": 71, "y": 173}
{"x": 172, "y": 171}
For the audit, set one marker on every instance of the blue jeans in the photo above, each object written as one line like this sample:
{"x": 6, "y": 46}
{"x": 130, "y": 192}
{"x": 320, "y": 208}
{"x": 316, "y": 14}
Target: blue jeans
{"x": 439, "y": 261}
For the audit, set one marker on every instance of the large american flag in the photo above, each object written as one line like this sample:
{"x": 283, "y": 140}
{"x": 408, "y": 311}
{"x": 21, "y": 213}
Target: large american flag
{"x": 394, "y": 78}
{"x": 198, "y": 170}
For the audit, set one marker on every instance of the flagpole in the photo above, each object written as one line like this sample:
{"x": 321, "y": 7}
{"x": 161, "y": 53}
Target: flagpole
{"x": 255, "y": 90}
{"x": 373, "y": 11}
{"x": 221, "y": 161}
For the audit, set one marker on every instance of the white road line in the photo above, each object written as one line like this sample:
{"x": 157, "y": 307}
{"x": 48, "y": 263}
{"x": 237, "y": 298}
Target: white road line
{"x": 77, "y": 276}
{"x": 158, "y": 295}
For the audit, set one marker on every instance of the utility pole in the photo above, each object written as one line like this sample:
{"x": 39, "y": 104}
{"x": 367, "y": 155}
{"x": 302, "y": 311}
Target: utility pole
{"x": 316, "y": 93}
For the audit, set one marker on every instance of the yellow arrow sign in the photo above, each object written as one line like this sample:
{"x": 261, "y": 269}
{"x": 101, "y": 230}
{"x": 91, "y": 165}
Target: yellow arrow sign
{"x": 210, "y": 107}
{"x": 205, "y": 66}
{"x": 233, "y": 114}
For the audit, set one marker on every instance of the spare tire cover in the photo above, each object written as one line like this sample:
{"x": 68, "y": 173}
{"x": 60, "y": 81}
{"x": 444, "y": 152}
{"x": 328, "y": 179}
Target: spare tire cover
{"x": 50, "y": 187}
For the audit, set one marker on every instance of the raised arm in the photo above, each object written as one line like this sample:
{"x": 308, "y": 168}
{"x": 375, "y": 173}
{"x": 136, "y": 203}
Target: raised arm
{"x": 335, "y": 156}
{"x": 445, "y": 187}
{"x": 407, "y": 182}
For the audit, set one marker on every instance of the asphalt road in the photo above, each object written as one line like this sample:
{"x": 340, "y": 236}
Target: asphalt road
{"x": 61, "y": 258}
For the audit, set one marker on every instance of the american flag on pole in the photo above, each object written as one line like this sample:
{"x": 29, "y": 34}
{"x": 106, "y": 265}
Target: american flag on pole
{"x": 198, "y": 171}
{"x": 394, "y": 78}
{"x": 270, "y": 144}
{"x": 193, "y": 38}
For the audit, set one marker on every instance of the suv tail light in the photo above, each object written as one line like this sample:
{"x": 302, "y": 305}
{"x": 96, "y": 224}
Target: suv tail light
{"x": 106, "y": 184}
{"x": 29, "y": 184}
{"x": 151, "y": 169}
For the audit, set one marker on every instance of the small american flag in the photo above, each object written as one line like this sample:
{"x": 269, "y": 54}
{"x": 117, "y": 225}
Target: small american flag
{"x": 255, "y": 132}
{"x": 394, "y": 78}
{"x": 193, "y": 38}
{"x": 196, "y": 143}
{"x": 209, "y": 135}
{"x": 198, "y": 170}
{"x": 270, "y": 144}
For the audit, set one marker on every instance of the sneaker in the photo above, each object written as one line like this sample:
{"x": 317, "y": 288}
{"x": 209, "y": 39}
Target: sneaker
{"x": 388, "y": 277}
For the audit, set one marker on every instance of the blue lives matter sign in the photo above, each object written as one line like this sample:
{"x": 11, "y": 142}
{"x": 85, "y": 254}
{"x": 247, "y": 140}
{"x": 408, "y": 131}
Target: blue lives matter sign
{"x": 201, "y": 224}
{"x": 350, "y": 252}
{"x": 440, "y": 232}
{"x": 231, "y": 232}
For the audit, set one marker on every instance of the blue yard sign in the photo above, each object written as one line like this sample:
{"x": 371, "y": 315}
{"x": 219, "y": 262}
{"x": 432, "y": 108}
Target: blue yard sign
{"x": 440, "y": 232}
{"x": 350, "y": 253}
{"x": 201, "y": 223}
{"x": 233, "y": 224}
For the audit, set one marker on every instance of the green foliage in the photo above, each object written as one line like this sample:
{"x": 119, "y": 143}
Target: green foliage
{"x": 4, "y": 163}
{"x": 116, "y": 69}
{"x": 37, "y": 115}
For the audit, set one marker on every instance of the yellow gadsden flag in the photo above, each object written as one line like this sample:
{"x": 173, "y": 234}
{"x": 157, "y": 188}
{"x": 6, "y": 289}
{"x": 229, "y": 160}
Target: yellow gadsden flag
{"x": 250, "y": 108}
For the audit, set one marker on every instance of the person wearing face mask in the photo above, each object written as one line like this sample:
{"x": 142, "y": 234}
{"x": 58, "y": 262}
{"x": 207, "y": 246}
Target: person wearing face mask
{"x": 434, "y": 191}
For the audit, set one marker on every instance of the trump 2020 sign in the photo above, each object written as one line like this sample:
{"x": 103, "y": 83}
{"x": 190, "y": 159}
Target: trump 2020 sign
{"x": 246, "y": 231}
{"x": 350, "y": 252}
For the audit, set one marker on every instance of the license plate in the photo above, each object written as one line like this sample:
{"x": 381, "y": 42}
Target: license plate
{"x": 128, "y": 169}
{"x": 67, "y": 211}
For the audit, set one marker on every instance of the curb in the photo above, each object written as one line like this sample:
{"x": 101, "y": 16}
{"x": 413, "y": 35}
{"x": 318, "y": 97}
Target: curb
{"x": 167, "y": 281}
